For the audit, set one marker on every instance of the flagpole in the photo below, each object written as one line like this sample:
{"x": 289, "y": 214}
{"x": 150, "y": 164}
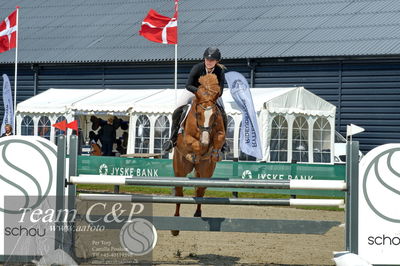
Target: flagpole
{"x": 176, "y": 74}
{"x": 176, "y": 57}
{"x": 15, "y": 73}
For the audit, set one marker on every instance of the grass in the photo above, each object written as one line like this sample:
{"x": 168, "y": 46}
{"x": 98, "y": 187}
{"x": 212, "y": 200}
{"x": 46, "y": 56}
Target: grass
{"x": 209, "y": 193}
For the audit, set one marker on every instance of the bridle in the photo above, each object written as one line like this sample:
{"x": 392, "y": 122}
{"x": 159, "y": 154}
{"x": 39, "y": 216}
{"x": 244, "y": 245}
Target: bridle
{"x": 203, "y": 128}
{"x": 208, "y": 91}
{"x": 208, "y": 88}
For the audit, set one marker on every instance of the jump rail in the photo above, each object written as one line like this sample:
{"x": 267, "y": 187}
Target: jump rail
{"x": 350, "y": 186}
{"x": 214, "y": 224}
{"x": 214, "y": 182}
{"x": 218, "y": 201}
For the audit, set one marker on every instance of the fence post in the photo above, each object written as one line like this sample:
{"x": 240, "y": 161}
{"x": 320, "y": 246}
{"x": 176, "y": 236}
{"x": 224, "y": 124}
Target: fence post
{"x": 235, "y": 172}
{"x": 73, "y": 170}
{"x": 60, "y": 181}
{"x": 352, "y": 162}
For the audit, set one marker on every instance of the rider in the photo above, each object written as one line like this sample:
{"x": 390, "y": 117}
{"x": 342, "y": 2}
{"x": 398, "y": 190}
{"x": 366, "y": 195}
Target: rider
{"x": 211, "y": 56}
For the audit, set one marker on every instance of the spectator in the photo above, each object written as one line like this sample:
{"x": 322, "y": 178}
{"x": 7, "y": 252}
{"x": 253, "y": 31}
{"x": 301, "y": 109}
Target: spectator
{"x": 8, "y": 129}
{"x": 107, "y": 136}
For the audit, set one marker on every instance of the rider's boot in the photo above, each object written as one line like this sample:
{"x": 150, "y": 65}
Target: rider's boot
{"x": 177, "y": 117}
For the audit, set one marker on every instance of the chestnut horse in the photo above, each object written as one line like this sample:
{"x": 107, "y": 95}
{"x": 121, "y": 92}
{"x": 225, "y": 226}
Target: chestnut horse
{"x": 198, "y": 146}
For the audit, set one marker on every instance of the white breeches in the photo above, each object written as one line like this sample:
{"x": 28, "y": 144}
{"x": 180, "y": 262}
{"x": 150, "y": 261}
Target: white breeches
{"x": 186, "y": 97}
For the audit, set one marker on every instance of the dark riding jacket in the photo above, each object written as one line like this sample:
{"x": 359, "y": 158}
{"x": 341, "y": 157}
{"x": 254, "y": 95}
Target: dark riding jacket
{"x": 199, "y": 70}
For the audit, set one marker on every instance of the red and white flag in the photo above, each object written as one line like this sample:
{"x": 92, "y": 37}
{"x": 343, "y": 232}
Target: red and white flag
{"x": 73, "y": 125}
{"x": 63, "y": 125}
{"x": 8, "y": 32}
{"x": 159, "y": 28}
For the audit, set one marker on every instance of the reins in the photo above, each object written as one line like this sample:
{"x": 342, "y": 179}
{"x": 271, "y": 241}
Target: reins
{"x": 206, "y": 98}
{"x": 203, "y": 128}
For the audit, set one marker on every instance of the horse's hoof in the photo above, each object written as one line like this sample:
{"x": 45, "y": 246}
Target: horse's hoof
{"x": 197, "y": 214}
{"x": 175, "y": 232}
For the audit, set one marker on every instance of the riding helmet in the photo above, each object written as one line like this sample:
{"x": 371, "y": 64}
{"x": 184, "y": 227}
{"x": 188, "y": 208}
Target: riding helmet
{"x": 212, "y": 53}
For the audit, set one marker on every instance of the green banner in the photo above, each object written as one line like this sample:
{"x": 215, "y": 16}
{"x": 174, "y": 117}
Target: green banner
{"x": 226, "y": 169}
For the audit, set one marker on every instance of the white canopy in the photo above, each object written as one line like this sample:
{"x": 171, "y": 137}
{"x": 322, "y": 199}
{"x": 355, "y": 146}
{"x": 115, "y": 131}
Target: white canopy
{"x": 161, "y": 101}
{"x": 95, "y": 101}
{"x": 284, "y": 100}
{"x": 112, "y": 101}
{"x": 54, "y": 101}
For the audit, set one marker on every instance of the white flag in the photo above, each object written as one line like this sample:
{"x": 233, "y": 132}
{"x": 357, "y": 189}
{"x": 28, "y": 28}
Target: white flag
{"x": 8, "y": 117}
{"x": 250, "y": 142}
{"x": 353, "y": 129}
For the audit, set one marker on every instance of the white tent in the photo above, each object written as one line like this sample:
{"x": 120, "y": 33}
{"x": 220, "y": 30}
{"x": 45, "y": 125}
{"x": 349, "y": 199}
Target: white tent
{"x": 52, "y": 104}
{"x": 287, "y": 104}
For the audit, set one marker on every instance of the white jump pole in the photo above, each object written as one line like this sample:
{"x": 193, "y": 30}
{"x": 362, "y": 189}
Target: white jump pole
{"x": 235, "y": 183}
{"x": 217, "y": 201}
{"x": 318, "y": 184}
{"x": 318, "y": 202}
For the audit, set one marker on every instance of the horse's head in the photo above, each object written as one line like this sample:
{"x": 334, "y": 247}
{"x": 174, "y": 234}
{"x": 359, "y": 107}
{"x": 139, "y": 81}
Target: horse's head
{"x": 209, "y": 89}
{"x": 206, "y": 109}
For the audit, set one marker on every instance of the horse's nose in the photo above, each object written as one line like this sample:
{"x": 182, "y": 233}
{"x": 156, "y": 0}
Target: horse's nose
{"x": 205, "y": 138}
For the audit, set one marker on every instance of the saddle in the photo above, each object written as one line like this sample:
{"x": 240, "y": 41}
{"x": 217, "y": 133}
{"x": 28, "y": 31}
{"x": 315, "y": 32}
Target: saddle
{"x": 182, "y": 119}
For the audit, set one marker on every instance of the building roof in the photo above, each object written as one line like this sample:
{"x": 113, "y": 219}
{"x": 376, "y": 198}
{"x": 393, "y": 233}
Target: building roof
{"x": 56, "y": 31}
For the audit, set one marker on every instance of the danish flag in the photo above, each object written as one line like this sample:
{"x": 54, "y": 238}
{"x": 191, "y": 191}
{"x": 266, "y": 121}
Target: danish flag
{"x": 159, "y": 28}
{"x": 8, "y": 32}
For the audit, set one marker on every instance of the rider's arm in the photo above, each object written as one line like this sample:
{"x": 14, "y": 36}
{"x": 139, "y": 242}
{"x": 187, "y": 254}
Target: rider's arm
{"x": 192, "y": 82}
{"x": 192, "y": 88}
{"x": 221, "y": 79}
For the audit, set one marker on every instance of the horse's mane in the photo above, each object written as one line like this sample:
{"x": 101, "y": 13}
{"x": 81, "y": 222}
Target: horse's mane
{"x": 210, "y": 84}
{"x": 208, "y": 80}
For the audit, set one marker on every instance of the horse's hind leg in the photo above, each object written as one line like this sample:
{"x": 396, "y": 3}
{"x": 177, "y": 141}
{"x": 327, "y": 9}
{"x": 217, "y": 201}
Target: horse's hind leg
{"x": 179, "y": 193}
{"x": 203, "y": 171}
{"x": 200, "y": 191}
{"x": 181, "y": 169}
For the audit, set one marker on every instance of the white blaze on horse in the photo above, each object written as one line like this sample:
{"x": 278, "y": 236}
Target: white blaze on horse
{"x": 198, "y": 146}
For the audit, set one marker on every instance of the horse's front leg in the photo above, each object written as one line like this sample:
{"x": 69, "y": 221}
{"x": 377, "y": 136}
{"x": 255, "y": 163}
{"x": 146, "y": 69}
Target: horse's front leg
{"x": 194, "y": 146}
{"x": 219, "y": 136}
{"x": 193, "y": 143}
{"x": 218, "y": 140}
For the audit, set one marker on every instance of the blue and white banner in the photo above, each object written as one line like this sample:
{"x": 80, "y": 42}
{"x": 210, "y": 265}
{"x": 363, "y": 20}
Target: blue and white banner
{"x": 8, "y": 117}
{"x": 250, "y": 142}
